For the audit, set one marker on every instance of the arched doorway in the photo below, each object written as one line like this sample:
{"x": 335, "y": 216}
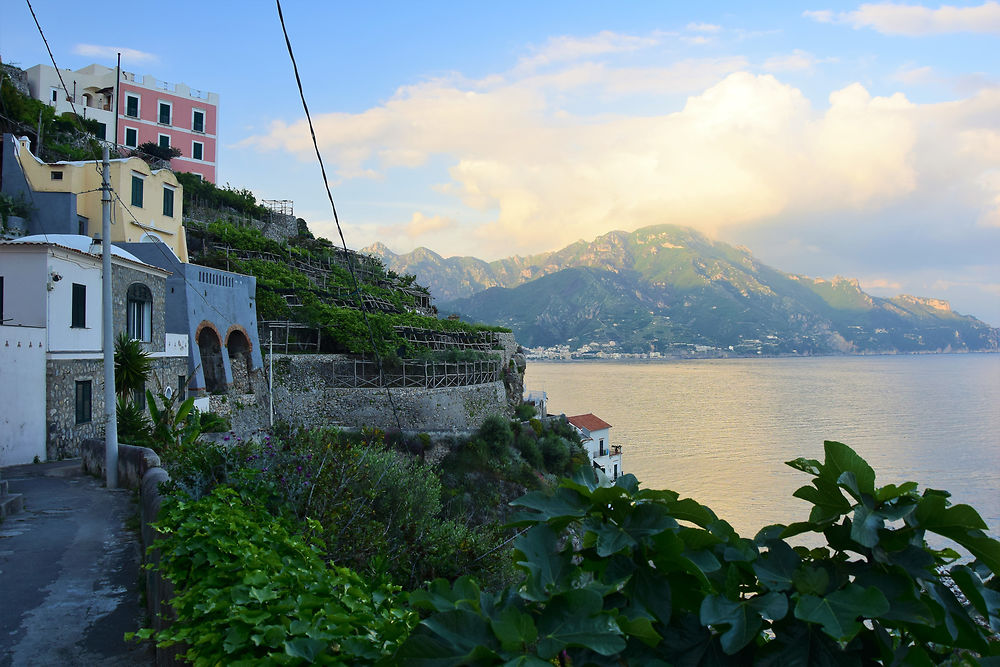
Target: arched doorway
{"x": 211, "y": 360}
{"x": 239, "y": 361}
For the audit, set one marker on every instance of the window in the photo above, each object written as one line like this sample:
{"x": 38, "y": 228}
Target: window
{"x": 54, "y": 95}
{"x": 139, "y": 396}
{"x": 181, "y": 387}
{"x": 78, "y": 319}
{"x": 131, "y": 137}
{"x": 132, "y": 106}
{"x": 601, "y": 451}
{"x": 82, "y": 226}
{"x": 164, "y": 141}
{"x": 164, "y": 117}
{"x": 56, "y": 175}
{"x": 102, "y": 131}
{"x": 197, "y": 150}
{"x": 136, "y": 189}
{"x": 168, "y": 201}
{"x": 139, "y": 312}
{"x": 198, "y": 120}
{"x": 83, "y": 412}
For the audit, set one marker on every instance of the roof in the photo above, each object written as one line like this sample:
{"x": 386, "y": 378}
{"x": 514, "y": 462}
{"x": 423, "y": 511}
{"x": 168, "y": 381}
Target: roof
{"x": 81, "y": 244}
{"x": 588, "y": 421}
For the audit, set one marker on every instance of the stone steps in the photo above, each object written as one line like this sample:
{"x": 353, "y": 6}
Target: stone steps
{"x": 10, "y": 503}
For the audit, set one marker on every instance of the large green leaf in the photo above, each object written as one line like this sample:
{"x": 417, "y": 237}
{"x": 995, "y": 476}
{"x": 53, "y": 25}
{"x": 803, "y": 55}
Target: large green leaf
{"x": 776, "y": 567}
{"x": 839, "y": 611}
{"x": 865, "y": 526}
{"x": 933, "y": 513}
{"x": 575, "y": 619}
{"x": 803, "y": 645}
{"x": 563, "y": 504}
{"x": 514, "y": 629}
{"x": 546, "y": 566}
{"x": 461, "y": 630}
{"x": 840, "y": 459}
{"x": 744, "y": 623}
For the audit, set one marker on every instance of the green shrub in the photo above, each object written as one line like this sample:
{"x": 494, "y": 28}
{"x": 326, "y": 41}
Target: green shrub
{"x": 212, "y": 422}
{"x": 496, "y": 433}
{"x": 525, "y": 411}
{"x": 615, "y": 574}
{"x": 555, "y": 453}
{"x": 249, "y": 589}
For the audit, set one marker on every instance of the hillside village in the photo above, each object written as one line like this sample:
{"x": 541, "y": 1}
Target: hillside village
{"x": 210, "y": 281}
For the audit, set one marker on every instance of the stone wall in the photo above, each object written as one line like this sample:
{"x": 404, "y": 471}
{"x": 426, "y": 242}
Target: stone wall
{"x": 121, "y": 278}
{"x": 302, "y": 398}
{"x": 133, "y": 462}
{"x": 63, "y": 435}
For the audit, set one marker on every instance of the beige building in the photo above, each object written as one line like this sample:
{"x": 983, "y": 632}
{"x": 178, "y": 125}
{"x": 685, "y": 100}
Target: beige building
{"x": 146, "y": 203}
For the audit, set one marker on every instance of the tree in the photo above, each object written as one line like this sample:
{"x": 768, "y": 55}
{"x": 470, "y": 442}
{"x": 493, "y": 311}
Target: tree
{"x": 162, "y": 152}
{"x": 132, "y": 366}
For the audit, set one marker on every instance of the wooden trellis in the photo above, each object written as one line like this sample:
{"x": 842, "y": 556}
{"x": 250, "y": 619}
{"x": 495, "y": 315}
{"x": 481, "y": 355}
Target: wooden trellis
{"x": 363, "y": 373}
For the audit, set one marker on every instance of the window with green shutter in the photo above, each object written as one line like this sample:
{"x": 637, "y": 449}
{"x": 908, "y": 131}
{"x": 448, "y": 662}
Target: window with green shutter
{"x": 168, "y": 201}
{"x": 136, "y": 190}
{"x": 78, "y": 316}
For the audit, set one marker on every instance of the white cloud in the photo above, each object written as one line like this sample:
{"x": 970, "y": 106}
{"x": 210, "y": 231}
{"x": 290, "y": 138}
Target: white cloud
{"x": 797, "y": 60}
{"x": 743, "y": 150}
{"x": 568, "y": 49}
{"x": 419, "y": 226}
{"x": 703, "y": 27}
{"x": 915, "y": 20}
{"x": 128, "y": 55}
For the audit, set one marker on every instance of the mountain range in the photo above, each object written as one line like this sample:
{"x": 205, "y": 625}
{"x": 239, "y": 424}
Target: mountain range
{"x": 670, "y": 289}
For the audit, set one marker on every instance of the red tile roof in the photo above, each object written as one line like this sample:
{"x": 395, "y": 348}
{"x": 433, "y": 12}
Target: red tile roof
{"x": 588, "y": 421}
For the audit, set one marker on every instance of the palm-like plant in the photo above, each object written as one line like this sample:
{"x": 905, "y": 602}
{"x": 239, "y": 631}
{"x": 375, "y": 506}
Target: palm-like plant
{"x": 132, "y": 366}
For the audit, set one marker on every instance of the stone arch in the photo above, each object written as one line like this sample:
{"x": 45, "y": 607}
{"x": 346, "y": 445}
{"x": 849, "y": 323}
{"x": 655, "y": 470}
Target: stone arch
{"x": 239, "y": 347}
{"x": 210, "y": 348}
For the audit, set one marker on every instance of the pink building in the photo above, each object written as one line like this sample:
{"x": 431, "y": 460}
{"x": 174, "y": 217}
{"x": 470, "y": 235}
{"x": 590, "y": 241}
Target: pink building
{"x": 168, "y": 114}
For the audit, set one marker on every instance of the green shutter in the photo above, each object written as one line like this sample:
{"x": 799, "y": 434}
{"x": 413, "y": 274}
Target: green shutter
{"x": 168, "y": 202}
{"x": 136, "y": 191}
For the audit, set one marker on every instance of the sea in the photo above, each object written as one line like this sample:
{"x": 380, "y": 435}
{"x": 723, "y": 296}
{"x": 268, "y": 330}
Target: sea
{"x": 721, "y": 430}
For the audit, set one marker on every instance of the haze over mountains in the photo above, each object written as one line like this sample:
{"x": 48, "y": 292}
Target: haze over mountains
{"x": 670, "y": 289}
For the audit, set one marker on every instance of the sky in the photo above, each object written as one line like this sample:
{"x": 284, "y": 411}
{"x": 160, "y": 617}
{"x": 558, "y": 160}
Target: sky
{"x": 829, "y": 138}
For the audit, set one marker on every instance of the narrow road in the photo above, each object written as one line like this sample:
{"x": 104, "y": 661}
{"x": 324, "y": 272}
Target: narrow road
{"x": 69, "y": 571}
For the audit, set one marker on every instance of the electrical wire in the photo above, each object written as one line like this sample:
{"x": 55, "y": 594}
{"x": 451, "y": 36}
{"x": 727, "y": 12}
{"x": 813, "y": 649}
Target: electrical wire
{"x": 336, "y": 218}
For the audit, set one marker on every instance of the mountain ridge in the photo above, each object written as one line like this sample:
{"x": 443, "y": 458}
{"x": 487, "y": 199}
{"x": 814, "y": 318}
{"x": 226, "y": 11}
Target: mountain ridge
{"x": 668, "y": 287}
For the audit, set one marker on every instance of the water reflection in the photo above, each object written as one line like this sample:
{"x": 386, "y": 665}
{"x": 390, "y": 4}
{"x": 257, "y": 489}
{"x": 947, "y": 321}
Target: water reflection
{"x": 720, "y": 430}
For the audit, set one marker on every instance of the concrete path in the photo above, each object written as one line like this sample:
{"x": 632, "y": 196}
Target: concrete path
{"x": 69, "y": 571}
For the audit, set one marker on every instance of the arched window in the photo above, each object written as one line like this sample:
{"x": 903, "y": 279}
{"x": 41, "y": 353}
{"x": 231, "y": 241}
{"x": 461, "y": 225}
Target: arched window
{"x": 139, "y": 311}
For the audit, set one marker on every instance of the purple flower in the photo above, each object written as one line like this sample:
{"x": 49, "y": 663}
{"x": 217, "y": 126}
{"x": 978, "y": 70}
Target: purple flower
{"x": 298, "y": 469}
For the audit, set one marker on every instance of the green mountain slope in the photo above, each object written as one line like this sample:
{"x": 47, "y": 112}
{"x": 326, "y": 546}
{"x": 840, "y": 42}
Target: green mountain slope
{"x": 665, "y": 288}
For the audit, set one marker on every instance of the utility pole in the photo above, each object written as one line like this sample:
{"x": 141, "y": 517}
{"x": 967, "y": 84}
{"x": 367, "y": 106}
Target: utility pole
{"x": 110, "y": 413}
{"x": 114, "y": 104}
{"x": 270, "y": 378}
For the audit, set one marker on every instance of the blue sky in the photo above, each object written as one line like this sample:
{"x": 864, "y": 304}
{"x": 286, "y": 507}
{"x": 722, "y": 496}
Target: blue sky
{"x": 829, "y": 138}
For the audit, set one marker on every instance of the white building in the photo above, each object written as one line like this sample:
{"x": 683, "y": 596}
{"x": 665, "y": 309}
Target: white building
{"x": 595, "y": 433}
{"x": 51, "y": 357}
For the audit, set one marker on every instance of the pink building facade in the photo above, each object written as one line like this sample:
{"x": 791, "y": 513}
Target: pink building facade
{"x": 171, "y": 115}
{"x": 168, "y": 114}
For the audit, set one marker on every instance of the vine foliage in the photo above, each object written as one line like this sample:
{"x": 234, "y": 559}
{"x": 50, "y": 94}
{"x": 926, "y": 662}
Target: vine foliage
{"x": 614, "y": 574}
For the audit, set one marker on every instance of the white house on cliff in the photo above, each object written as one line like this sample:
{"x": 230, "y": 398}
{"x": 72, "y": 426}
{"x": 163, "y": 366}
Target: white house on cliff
{"x": 595, "y": 433}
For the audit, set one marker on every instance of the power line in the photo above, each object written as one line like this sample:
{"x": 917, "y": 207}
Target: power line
{"x": 336, "y": 219}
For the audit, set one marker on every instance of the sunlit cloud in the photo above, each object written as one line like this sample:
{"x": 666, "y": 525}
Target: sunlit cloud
{"x": 418, "y": 226}
{"x": 916, "y": 20}
{"x": 742, "y": 150}
{"x": 111, "y": 52}
{"x": 881, "y": 283}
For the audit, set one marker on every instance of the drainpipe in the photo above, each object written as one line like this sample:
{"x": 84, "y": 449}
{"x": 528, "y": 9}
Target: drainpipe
{"x": 118, "y": 78}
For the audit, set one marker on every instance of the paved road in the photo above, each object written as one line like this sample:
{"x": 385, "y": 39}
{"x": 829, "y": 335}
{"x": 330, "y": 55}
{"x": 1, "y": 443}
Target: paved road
{"x": 69, "y": 571}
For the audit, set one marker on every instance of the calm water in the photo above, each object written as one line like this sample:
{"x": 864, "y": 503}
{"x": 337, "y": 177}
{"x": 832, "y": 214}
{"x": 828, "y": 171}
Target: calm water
{"x": 719, "y": 430}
